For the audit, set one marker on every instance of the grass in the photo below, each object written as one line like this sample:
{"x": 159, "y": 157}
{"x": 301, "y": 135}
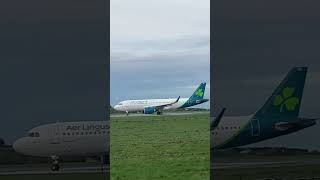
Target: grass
{"x": 160, "y": 147}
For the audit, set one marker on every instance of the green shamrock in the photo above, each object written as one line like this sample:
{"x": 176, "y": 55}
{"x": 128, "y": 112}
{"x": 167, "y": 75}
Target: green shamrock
{"x": 286, "y": 100}
{"x": 199, "y": 92}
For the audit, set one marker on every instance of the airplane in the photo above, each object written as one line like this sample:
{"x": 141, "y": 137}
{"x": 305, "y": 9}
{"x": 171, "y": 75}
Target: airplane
{"x": 278, "y": 116}
{"x": 150, "y": 106}
{"x": 66, "y": 139}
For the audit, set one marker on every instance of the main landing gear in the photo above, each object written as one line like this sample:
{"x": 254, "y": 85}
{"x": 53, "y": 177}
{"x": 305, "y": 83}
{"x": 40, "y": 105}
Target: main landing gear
{"x": 55, "y": 163}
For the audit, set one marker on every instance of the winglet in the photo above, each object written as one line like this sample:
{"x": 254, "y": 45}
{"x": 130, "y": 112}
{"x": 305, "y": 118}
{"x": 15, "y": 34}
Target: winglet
{"x": 216, "y": 121}
{"x": 177, "y": 100}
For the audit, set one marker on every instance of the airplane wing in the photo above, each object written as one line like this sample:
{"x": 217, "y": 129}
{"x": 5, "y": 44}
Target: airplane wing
{"x": 161, "y": 107}
{"x": 215, "y": 122}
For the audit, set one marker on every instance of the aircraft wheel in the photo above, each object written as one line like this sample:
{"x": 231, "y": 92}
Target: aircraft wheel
{"x": 158, "y": 113}
{"x": 55, "y": 167}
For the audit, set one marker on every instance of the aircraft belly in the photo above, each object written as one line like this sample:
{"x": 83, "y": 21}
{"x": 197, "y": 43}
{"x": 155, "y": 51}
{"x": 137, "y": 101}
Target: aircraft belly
{"x": 225, "y": 136}
{"x": 135, "y": 108}
{"x": 86, "y": 146}
{"x": 222, "y": 137}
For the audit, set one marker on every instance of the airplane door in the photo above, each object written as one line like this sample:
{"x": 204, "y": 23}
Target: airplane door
{"x": 255, "y": 127}
{"x": 55, "y": 134}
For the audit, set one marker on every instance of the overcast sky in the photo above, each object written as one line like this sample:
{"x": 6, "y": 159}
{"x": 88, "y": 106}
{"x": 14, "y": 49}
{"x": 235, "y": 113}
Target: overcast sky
{"x": 159, "y": 49}
{"x": 53, "y": 63}
{"x": 256, "y": 44}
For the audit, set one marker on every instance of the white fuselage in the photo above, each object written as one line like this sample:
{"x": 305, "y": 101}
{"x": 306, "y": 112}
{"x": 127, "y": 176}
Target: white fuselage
{"x": 87, "y": 138}
{"x": 139, "y": 105}
{"x": 228, "y": 128}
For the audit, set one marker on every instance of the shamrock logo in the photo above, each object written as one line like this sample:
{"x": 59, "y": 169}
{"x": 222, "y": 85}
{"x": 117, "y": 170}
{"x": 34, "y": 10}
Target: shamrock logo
{"x": 286, "y": 100}
{"x": 199, "y": 92}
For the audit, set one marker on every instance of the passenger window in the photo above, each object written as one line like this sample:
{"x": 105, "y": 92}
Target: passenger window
{"x": 36, "y": 134}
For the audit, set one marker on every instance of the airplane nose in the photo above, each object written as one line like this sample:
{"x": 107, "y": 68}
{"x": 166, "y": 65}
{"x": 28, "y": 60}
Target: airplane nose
{"x": 116, "y": 107}
{"x": 18, "y": 145}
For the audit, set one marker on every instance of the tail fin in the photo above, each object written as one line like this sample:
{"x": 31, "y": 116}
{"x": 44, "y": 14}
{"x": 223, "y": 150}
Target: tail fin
{"x": 285, "y": 101}
{"x": 199, "y": 93}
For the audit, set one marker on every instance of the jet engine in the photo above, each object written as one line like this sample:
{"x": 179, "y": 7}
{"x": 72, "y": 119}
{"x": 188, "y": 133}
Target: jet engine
{"x": 149, "y": 110}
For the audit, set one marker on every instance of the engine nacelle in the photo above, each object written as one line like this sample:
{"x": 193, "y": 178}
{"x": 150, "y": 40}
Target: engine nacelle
{"x": 149, "y": 110}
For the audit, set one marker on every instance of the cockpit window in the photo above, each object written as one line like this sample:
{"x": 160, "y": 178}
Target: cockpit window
{"x": 120, "y": 104}
{"x": 34, "y": 134}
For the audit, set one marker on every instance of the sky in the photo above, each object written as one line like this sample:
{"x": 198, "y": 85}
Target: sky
{"x": 159, "y": 49}
{"x": 255, "y": 45}
{"x": 52, "y": 63}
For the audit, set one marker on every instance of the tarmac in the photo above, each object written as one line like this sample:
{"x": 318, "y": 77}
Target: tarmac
{"x": 42, "y": 169}
{"x": 263, "y": 164}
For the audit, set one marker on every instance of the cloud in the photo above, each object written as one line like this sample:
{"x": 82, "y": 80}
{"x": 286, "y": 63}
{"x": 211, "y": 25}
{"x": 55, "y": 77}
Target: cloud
{"x": 154, "y": 20}
{"x": 146, "y": 50}
{"x": 159, "y": 49}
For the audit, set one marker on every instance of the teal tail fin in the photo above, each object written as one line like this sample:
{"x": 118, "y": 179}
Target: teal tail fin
{"x": 197, "y": 97}
{"x": 199, "y": 93}
{"x": 285, "y": 101}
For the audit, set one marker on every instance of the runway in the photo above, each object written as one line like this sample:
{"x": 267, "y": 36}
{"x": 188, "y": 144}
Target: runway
{"x": 164, "y": 114}
{"x": 42, "y": 169}
{"x": 266, "y": 164}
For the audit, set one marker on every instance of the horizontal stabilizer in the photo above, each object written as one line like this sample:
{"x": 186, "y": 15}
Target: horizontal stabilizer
{"x": 300, "y": 123}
